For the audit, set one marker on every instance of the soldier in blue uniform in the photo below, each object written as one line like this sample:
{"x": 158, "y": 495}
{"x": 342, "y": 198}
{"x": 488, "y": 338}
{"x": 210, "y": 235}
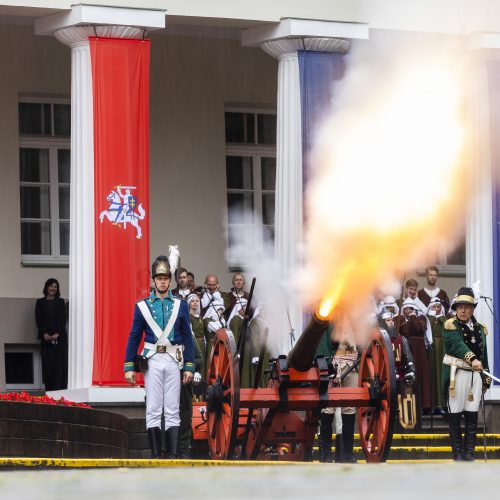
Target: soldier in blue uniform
{"x": 168, "y": 346}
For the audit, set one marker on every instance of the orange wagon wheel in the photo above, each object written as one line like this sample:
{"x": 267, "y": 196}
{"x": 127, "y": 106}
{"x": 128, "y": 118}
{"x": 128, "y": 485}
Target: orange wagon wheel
{"x": 377, "y": 373}
{"x": 223, "y": 396}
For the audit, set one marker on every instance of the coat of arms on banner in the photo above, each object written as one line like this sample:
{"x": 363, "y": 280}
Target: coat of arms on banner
{"x": 123, "y": 209}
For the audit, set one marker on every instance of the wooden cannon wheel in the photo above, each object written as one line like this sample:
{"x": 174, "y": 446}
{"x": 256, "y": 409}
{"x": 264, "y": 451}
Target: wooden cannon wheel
{"x": 377, "y": 373}
{"x": 223, "y": 396}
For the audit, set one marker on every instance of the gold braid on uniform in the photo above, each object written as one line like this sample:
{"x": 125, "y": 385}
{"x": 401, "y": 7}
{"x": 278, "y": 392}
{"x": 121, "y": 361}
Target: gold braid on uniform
{"x": 469, "y": 357}
{"x": 449, "y": 324}
{"x": 487, "y": 381}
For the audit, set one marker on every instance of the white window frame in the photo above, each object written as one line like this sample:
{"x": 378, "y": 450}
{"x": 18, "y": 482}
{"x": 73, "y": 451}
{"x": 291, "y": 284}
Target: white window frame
{"x": 52, "y": 144}
{"x": 34, "y": 349}
{"x": 255, "y": 153}
{"x": 445, "y": 269}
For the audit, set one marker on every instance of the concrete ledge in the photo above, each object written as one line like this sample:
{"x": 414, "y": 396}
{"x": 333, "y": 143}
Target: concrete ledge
{"x": 90, "y": 395}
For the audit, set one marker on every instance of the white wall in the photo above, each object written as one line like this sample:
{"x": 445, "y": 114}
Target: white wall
{"x": 191, "y": 80}
{"x": 29, "y": 64}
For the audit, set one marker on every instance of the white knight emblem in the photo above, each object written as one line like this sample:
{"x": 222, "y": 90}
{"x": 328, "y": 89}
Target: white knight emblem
{"x": 122, "y": 209}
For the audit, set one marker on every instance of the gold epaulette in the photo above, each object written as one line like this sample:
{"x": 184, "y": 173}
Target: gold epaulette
{"x": 485, "y": 328}
{"x": 449, "y": 324}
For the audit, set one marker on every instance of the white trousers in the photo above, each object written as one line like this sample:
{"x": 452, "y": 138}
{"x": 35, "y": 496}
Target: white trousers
{"x": 466, "y": 382}
{"x": 162, "y": 382}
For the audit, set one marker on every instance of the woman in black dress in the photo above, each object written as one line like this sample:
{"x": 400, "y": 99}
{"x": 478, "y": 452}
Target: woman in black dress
{"x": 50, "y": 314}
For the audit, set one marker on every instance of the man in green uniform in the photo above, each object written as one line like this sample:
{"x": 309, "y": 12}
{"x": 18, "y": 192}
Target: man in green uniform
{"x": 465, "y": 356}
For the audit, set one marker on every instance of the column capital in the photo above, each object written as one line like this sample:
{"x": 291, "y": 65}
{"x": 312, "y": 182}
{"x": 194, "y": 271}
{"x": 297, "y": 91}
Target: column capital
{"x": 90, "y": 16}
{"x": 285, "y": 46}
{"x": 75, "y": 36}
{"x": 291, "y": 35}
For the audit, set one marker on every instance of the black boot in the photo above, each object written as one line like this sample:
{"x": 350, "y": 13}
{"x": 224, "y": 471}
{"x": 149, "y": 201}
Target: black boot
{"x": 154, "y": 434}
{"x": 325, "y": 438}
{"x": 455, "y": 435}
{"x": 348, "y": 438}
{"x": 339, "y": 449}
{"x": 470, "y": 435}
{"x": 171, "y": 442}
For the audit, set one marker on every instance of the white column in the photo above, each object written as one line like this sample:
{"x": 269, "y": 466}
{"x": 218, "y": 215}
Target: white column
{"x": 289, "y": 214}
{"x": 479, "y": 234}
{"x": 81, "y": 270}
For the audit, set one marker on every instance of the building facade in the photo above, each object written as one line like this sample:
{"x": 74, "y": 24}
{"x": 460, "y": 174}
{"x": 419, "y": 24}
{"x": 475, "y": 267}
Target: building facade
{"x": 224, "y": 131}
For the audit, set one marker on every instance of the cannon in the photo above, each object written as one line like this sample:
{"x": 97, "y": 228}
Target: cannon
{"x": 279, "y": 422}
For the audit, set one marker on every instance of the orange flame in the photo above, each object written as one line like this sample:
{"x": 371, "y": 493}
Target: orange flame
{"x": 387, "y": 188}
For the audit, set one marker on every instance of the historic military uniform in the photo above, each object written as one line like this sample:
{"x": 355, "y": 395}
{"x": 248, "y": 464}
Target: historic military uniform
{"x": 463, "y": 343}
{"x": 168, "y": 347}
{"x": 405, "y": 371}
{"x": 344, "y": 355}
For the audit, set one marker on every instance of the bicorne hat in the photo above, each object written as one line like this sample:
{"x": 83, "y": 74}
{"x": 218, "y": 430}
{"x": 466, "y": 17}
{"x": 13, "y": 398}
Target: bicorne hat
{"x": 464, "y": 296}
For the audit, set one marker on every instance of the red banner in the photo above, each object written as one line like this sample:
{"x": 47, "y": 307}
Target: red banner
{"x": 120, "y": 83}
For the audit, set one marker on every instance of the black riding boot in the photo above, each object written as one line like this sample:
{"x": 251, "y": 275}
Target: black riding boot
{"x": 154, "y": 434}
{"x": 470, "y": 435}
{"x": 171, "y": 442}
{"x": 325, "y": 438}
{"x": 348, "y": 438}
{"x": 339, "y": 449}
{"x": 455, "y": 435}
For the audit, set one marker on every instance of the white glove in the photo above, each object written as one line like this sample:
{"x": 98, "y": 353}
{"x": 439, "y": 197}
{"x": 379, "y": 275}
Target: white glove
{"x": 255, "y": 360}
{"x": 197, "y": 378}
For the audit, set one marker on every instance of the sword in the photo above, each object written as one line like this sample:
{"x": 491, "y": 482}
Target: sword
{"x": 488, "y": 374}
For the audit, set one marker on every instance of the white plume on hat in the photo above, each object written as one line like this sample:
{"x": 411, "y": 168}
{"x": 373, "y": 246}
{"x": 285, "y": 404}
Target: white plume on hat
{"x": 174, "y": 257}
{"x": 476, "y": 288}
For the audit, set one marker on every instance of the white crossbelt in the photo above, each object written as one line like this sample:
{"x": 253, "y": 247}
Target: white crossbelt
{"x": 162, "y": 335}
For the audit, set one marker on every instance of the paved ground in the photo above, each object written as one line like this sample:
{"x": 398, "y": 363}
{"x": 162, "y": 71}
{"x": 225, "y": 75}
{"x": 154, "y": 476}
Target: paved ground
{"x": 308, "y": 482}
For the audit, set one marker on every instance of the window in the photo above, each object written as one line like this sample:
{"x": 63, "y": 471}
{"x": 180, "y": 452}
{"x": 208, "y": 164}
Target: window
{"x": 23, "y": 367}
{"x": 44, "y": 174}
{"x": 452, "y": 263}
{"x": 449, "y": 262}
{"x": 250, "y": 180}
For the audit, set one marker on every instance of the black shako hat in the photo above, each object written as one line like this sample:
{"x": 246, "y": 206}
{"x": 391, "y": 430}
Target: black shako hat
{"x": 464, "y": 296}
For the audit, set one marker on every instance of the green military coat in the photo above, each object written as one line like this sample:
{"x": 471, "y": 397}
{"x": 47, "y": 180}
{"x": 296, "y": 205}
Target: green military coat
{"x": 461, "y": 342}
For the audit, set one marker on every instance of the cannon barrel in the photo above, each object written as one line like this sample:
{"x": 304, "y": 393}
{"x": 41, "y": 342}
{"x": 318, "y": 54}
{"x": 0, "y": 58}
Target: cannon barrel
{"x": 302, "y": 355}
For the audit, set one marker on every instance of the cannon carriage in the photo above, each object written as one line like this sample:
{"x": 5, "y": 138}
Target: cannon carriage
{"x": 279, "y": 422}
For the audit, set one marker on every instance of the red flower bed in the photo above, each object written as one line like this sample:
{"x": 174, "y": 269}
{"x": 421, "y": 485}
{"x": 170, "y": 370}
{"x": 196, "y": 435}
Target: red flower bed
{"x": 24, "y": 397}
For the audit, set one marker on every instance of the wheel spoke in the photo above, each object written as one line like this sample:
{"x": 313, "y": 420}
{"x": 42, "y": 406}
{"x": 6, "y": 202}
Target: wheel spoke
{"x": 225, "y": 374}
{"x": 371, "y": 368}
{"x": 221, "y": 363}
{"x": 215, "y": 362}
{"x": 226, "y": 408}
{"x": 369, "y": 427}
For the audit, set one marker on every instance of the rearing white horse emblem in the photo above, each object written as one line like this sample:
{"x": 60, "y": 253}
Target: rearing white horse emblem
{"x": 122, "y": 209}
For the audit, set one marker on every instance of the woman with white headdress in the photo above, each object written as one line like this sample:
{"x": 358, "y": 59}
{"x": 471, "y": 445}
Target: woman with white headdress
{"x": 413, "y": 326}
{"x": 214, "y": 320}
{"x": 437, "y": 317}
